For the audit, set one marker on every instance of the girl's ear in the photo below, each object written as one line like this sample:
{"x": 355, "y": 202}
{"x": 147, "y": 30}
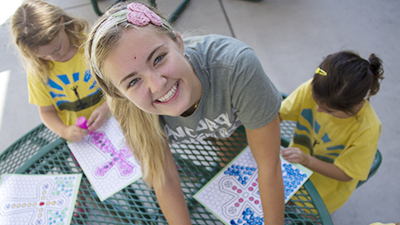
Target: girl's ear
{"x": 62, "y": 23}
{"x": 180, "y": 41}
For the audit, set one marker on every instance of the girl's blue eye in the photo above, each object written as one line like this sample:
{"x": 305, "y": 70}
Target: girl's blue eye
{"x": 133, "y": 82}
{"x": 158, "y": 59}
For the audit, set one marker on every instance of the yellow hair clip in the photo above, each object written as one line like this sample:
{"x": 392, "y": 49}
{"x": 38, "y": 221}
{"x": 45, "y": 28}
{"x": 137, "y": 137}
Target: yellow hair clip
{"x": 320, "y": 72}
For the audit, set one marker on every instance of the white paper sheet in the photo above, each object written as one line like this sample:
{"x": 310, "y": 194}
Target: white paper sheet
{"x": 233, "y": 195}
{"x": 38, "y": 199}
{"x": 106, "y": 161}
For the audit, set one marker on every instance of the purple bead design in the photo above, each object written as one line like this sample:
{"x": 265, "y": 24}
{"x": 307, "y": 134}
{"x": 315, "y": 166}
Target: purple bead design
{"x": 116, "y": 158}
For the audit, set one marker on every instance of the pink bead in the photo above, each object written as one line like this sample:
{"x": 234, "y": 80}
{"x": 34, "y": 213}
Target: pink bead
{"x": 254, "y": 184}
{"x": 81, "y": 122}
{"x": 237, "y": 204}
{"x": 234, "y": 188}
{"x": 239, "y": 191}
{"x": 256, "y": 201}
{"x": 250, "y": 188}
{"x": 240, "y": 200}
{"x": 251, "y": 198}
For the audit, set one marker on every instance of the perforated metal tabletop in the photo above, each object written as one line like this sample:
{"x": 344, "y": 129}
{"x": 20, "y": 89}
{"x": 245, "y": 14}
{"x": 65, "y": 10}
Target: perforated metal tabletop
{"x": 41, "y": 152}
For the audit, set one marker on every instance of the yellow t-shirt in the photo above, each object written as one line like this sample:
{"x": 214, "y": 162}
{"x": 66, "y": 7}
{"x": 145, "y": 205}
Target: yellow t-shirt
{"x": 70, "y": 88}
{"x": 349, "y": 143}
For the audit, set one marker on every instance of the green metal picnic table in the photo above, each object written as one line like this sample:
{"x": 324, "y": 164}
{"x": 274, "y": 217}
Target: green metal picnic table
{"x": 41, "y": 152}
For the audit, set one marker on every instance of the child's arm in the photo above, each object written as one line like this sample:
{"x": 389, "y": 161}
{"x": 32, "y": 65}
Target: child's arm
{"x": 170, "y": 195}
{"x": 52, "y": 121}
{"x": 98, "y": 117}
{"x": 264, "y": 143}
{"x": 295, "y": 155}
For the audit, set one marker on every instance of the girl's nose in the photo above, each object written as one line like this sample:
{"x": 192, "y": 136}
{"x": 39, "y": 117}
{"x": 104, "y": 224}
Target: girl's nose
{"x": 156, "y": 82}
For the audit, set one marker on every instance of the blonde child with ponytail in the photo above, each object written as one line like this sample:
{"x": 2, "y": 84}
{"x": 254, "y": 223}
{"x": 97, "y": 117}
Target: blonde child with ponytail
{"x": 59, "y": 82}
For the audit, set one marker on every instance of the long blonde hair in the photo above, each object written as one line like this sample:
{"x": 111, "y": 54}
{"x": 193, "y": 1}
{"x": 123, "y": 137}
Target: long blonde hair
{"x": 142, "y": 130}
{"x": 36, "y": 23}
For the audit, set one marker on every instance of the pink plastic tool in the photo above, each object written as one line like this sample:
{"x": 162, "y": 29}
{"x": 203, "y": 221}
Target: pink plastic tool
{"x": 81, "y": 122}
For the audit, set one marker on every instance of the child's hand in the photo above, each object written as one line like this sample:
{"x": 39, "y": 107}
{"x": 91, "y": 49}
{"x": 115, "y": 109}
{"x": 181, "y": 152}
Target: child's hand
{"x": 99, "y": 117}
{"x": 74, "y": 133}
{"x": 295, "y": 155}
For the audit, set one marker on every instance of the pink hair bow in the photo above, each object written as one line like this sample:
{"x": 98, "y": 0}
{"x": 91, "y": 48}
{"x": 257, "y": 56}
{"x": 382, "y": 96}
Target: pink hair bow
{"x": 140, "y": 15}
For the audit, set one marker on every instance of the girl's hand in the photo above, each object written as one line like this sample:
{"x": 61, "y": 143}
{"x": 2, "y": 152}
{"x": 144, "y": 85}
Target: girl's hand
{"x": 74, "y": 133}
{"x": 295, "y": 155}
{"x": 99, "y": 117}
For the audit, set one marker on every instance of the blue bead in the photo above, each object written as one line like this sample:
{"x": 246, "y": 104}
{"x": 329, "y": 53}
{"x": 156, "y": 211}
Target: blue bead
{"x": 253, "y": 169}
{"x": 233, "y": 222}
{"x": 249, "y": 173}
{"x": 247, "y": 168}
{"x": 226, "y": 172}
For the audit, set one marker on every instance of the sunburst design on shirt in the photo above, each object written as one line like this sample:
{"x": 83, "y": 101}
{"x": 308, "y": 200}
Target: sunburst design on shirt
{"x": 302, "y": 139}
{"x": 64, "y": 82}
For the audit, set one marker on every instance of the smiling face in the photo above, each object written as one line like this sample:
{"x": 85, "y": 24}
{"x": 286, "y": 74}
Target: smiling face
{"x": 59, "y": 49}
{"x": 149, "y": 68}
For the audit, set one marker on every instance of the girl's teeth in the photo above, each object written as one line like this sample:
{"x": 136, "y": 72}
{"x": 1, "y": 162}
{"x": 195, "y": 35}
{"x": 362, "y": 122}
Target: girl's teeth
{"x": 169, "y": 95}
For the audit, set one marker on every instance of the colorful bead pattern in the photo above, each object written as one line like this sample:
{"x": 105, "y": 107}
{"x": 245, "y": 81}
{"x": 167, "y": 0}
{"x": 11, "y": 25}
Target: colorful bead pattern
{"x": 248, "y": 218}
{"x": 233, "y": 195}
{"x": 115, "y": 158}
{"x": 50, "y": 206}
{"x": 293, "y": 178}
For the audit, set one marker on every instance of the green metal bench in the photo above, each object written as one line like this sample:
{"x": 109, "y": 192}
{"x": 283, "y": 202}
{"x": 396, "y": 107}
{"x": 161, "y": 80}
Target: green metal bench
{"x": 287, "y": 131}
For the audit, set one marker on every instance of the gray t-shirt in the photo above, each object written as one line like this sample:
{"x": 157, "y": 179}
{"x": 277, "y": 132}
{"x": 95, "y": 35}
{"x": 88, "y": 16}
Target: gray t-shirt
{"x": 236, "y": 91}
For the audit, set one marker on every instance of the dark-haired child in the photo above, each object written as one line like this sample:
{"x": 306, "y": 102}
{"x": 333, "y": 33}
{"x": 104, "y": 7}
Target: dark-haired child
{"x": 337, "y": 130}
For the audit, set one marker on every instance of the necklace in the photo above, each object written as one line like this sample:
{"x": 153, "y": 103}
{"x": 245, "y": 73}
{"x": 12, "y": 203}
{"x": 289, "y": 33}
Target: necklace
{"x": 191, "y": 110}
{"x": 195, "y": 105}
